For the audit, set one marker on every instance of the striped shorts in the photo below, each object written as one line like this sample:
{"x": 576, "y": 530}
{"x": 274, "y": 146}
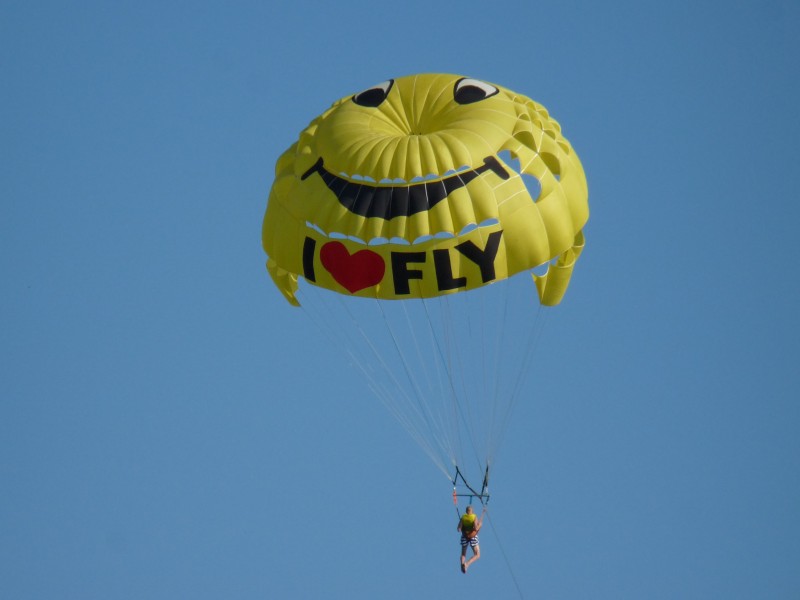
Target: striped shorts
{"x": 473, "y": 541}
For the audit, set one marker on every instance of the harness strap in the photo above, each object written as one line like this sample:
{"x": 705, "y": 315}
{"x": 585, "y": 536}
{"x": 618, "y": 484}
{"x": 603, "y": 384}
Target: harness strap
{"x": 483, "y": 496}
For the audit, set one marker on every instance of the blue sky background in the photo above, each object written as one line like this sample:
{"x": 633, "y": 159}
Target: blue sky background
{"x": 171, "y": 427}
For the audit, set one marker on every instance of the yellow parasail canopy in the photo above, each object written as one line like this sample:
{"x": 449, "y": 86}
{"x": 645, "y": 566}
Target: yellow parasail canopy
{"x": 426, "y": 185}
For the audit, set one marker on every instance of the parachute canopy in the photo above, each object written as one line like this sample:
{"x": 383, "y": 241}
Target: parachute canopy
{"x": 423, "y": 186}
{"x": 422, "y": 191}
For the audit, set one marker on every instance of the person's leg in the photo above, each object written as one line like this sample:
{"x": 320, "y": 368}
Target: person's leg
{"x": 476, "y": 554}
{"x": 463, "y": 556}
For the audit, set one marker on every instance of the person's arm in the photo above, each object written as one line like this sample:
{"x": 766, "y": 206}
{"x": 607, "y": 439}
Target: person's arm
{"x": 479, "y": 522}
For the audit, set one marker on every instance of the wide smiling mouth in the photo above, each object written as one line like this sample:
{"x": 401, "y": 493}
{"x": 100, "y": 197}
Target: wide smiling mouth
{"x": 387, "y": 201}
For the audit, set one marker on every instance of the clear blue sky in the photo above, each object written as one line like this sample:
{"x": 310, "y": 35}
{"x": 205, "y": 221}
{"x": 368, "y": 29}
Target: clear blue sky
{"x": 171, "y": 428}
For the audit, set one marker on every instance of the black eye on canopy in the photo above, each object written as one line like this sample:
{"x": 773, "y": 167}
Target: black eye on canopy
{"x": 467, "y": 91}
{"x": 374, "y": 95}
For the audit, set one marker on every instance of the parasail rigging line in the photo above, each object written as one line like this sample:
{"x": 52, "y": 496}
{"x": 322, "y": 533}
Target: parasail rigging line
{"x": 505, "y": 556}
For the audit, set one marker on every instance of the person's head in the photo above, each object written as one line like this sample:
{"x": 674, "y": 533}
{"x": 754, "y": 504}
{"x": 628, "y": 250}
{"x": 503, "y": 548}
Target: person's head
{"x": 469, "y": 509}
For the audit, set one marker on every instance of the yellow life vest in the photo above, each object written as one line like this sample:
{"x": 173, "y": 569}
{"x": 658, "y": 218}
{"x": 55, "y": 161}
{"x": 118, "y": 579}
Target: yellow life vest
{"x": 468, "y": 522}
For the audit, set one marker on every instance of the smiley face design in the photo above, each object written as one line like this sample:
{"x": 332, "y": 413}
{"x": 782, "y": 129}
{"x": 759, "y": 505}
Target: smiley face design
{"x": 426, "y": 185}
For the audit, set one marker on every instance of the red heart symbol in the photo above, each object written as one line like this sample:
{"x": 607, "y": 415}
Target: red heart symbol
{"x": 354, "y": 272}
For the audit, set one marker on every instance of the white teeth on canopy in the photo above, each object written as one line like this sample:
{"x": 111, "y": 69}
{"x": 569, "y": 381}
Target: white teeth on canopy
{"x": 400, "y": 181}
{"x": 378, "y": 241}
